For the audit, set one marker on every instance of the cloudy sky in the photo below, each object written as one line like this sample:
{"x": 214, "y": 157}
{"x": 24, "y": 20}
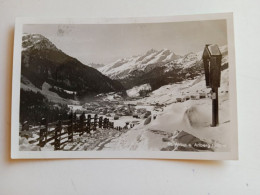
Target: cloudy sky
{"x": 105, "y": 43}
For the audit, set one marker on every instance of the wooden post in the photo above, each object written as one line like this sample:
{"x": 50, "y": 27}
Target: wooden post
{"x": 100, "y": 122}
{"x": 45, "y": 129}
{"x": 206, "y": 69}
{"x": 212, "y": 65}
{"x": 215, "y": 114}
{"x": 105, "y": 123}
{"x": 70, "y": 127}
{"x": 43, "y": 132}
{"x": 215, "y": 72}
{"x": 82, "y": 123}
{"x": 88, "y": 123}
{"x": 57, "y": 136}
{"x": 74, "y": 124}
{"x": 95, "y": 122}
{"x": 41, "y": 137}
{"x": 108, "y": 126}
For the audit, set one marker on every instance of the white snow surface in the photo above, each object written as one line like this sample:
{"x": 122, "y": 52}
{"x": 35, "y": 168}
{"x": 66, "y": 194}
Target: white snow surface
{"x": 191, "y": 116}
{"x": 134, "y": 92}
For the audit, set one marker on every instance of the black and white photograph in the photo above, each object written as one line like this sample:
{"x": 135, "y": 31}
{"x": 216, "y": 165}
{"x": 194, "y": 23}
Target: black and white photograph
{"x": 125, "y": 88}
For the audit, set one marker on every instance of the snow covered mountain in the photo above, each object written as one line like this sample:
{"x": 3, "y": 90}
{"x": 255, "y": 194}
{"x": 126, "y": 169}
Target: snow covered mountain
{"x": 37, "y": 41}
{"x": 157, "y": 68}
{"x": 127, "y": 67}
{"x": 43, "y": 62}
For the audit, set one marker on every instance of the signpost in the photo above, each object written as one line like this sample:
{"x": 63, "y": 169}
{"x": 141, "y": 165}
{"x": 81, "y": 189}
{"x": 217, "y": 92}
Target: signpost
{"x": 212, "y": 65}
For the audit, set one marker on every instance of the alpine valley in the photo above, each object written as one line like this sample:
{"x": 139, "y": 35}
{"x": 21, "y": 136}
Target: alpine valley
{"x": 155, "y": 100}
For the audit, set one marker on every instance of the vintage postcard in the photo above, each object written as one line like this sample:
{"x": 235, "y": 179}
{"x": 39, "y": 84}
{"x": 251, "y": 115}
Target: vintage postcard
{"x": 160, "y": 88}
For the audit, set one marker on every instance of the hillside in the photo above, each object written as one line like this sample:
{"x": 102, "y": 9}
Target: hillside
{"x": 43, "y": 62}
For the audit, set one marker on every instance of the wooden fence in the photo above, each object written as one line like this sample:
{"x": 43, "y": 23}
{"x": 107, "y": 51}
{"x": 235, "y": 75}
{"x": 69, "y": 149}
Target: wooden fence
{"x": 64, "y": 130}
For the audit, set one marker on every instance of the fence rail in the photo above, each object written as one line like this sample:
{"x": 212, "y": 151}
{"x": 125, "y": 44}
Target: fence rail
{"x": 69, "y": 127}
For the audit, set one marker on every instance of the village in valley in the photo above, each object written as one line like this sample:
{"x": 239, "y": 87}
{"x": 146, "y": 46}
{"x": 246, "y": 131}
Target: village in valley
{"x": 127, "y": 112}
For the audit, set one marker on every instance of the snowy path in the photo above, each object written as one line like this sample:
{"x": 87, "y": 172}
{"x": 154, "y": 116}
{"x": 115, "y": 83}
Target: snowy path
{"x": 93, "y": 142}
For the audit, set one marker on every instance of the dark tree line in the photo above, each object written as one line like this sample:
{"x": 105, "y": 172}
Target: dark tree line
{"x": 35, "y": 106}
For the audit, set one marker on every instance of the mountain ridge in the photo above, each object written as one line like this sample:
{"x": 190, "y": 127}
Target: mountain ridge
{"x": 156, "y": 67}
{"x": 43, "y": 62}
{"x": 123, "y": 67}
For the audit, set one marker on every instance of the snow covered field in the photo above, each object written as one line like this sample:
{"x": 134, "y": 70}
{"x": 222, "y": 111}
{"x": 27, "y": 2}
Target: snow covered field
{"x": 191, "y": 116}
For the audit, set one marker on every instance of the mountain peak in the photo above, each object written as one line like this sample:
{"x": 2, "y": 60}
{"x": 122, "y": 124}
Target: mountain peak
{"x": 43, "y": 63}
{"x": 37, "y": 41}
{"x": 151, "y": 51}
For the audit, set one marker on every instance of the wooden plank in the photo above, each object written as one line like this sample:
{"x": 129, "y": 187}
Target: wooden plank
{"x": 52, "y": 138}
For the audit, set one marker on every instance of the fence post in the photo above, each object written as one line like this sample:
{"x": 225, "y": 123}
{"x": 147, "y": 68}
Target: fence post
{"x": 100, "y": 122}
{"x": 108, "y": 126}
{"x": 82, "y": 119}
{"x": 106, "y": 121}
{"x": 95, "y": 122}
{"x": 43, "y": 132}
{"x": 75, "y": 124}
{"x": 58, "y": 136}
{"x": 41, "y": 137}
{"x": 70, "y": 127}
{"x": 45, "y": 127}
{"x": 88, "y": 123}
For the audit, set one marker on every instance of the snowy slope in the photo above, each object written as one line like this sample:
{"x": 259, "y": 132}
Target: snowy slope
{"x": 134, "y": 92}
{"x": 54, "y": 97}
{"x": 192, "y": 117}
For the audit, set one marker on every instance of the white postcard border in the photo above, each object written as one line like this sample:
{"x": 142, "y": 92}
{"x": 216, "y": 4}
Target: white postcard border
{"x": 16, "y": 154}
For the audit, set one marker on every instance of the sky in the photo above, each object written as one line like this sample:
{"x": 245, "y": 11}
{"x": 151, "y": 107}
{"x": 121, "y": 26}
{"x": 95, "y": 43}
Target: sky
{"x": 105, "y": 43}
